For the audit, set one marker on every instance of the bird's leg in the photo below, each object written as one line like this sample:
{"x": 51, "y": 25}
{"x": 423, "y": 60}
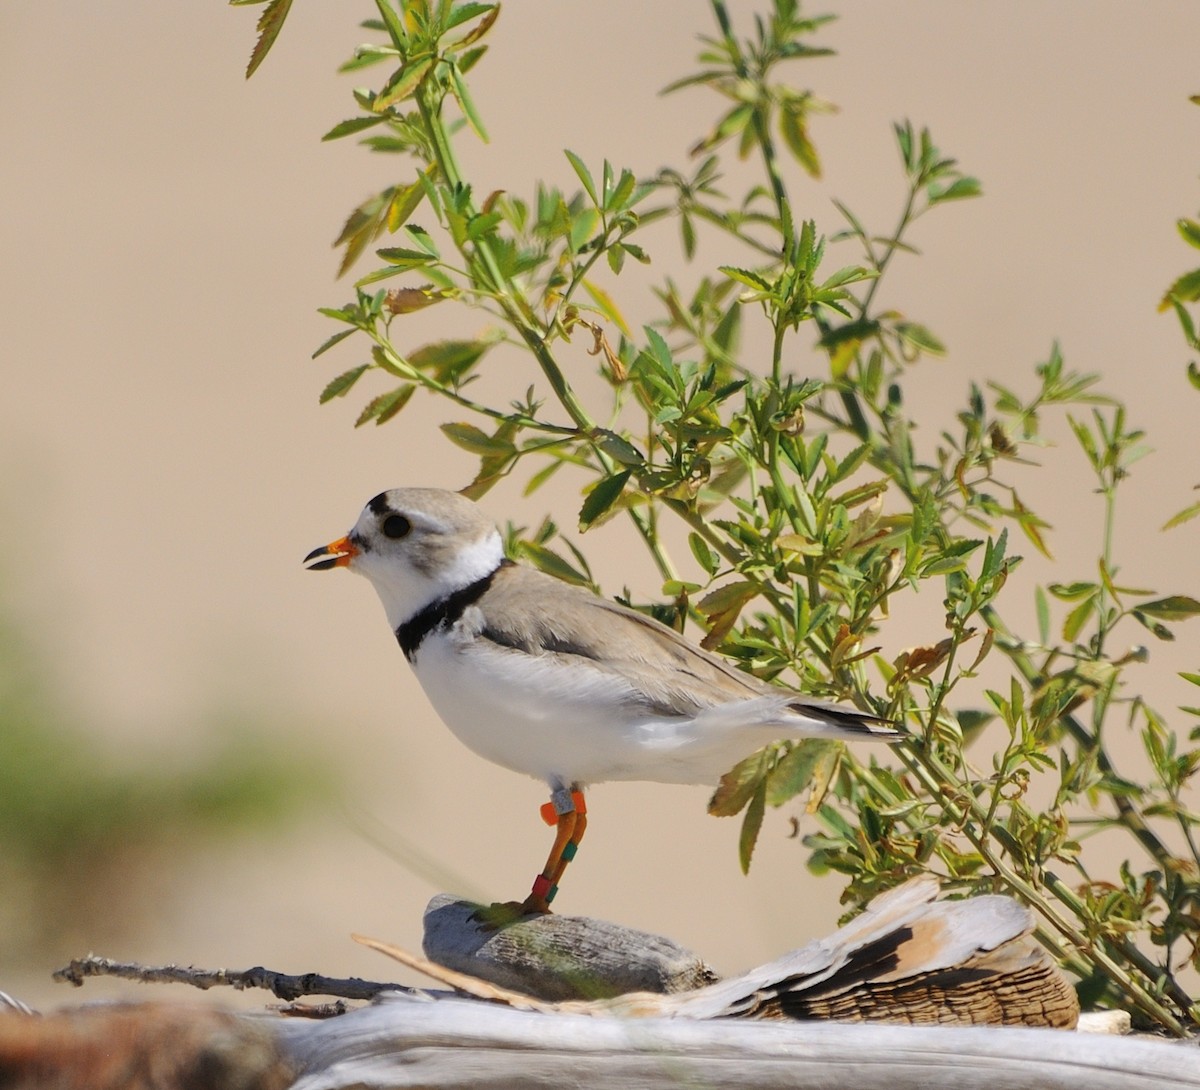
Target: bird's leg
{"x": 567, "y": 812}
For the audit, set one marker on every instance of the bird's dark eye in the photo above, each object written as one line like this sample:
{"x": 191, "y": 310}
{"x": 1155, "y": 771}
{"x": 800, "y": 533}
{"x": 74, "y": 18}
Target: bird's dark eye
{"x": 396, "y": 526}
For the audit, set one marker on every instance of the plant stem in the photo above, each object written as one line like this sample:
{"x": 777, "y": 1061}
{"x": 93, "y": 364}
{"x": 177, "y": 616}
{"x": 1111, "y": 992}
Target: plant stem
{"x": 892, "y": 245}
{"x": 762, "y": 131}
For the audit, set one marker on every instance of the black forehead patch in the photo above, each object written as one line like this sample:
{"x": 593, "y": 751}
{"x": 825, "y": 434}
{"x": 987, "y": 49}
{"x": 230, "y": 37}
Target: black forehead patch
{"x": 380, "y": 504}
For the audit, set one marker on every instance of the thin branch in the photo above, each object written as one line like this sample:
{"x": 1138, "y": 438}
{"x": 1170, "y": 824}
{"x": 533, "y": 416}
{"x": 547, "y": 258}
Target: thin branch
{"x": 281, "y": 985}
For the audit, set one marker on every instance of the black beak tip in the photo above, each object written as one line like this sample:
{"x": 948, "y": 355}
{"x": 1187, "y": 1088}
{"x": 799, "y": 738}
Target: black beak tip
{"x": 321, "y": 565}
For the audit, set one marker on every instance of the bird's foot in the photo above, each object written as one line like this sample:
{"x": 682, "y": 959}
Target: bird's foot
{"x": 502, "y": 914}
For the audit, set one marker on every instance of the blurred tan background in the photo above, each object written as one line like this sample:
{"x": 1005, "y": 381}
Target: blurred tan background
{"x": 166, "y": 234}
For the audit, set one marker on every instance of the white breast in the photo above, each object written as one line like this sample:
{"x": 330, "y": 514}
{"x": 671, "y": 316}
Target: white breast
{"x": 567, "y": 722}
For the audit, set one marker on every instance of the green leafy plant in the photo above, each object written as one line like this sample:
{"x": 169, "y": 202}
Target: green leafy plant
{"x": 809, "y": 506}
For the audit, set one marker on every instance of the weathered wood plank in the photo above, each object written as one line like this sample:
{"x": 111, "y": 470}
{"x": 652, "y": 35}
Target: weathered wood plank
{"x": 404, "y": 1042}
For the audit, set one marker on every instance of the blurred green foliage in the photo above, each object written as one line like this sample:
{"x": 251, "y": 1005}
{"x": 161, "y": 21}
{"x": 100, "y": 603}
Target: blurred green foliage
{"x": 89, "y": 832}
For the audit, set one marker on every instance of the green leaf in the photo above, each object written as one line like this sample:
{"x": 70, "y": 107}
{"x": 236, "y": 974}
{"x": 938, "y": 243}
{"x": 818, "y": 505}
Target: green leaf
{"x": 1190, "y": 231}
{"x": 475, "y": 440}
{"x": 402, "y": 84}
{"x": 1178, "y": 519}
{"x": 386, "y": 273}
{"x": 350, "y": 126}
{"x": 406, "y": 199}
{"x": 745, "y": 276}
{"x": 730, "y": 125}
{"x": 708, "y": 558}
{"x": 957, "y": 190}
{"x": 481, "y": 225}
{"x": 362, "y": 226}
{"x": 364, "y": 57}
{"x": 270, "y": 23}
{"x": 730, "y": 596}
{"x": 340, "y": 385}
{"x": 851, "y": 274}
{"x": 659, "y": 349}
{"x": 1189, "y": 334}
{"x": 466, "y": 103}
{"x": 619, "y": 200}
{"x": 1157, "y": 627}
{"x": 450, "y": 360}
{"x": 943, "y": 565}
{"x": 419, "y": 235}
{"x": 796, "y": 770}
{"x": 585, "y": 175}
{"x": 551, "y": 563}
{"x": 1042, "y": 605}
{"x": 794, "y": 131}
{"x": 463, "y": 12}
{"x": 1086, "y": 441}
{"x": 993, "y": 555}
{"x": 1070, "y": 592}
{"x": 404, "y": 259}
{"x": 470, "y": 57}
{"x": 919, "y": 337}
{"x": 392, "y": 23}
{"x": 337, "y": 338}
{"x": 618, "y": 447}
{"x": 1187, "y": 288}
{"x": 751, "y": 824}
{"x": 1175, "y": 607}
{"x": 1077, "y": 618}
{"x": 606, "y": 492}
{"x": 385, "y": 406}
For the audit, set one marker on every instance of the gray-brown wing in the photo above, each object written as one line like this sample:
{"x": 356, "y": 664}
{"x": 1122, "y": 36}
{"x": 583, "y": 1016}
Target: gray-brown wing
{"x": 534, "y": 613}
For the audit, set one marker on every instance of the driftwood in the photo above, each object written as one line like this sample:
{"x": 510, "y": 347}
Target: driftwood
{"x": 907, "y": 958}
{"x": 406, "y": 1041}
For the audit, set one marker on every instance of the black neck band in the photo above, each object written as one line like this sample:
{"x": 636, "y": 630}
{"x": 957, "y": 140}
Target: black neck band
{"x": 442, "y": 613}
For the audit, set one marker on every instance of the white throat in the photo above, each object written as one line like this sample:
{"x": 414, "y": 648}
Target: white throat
{"x": 405, "y": 589}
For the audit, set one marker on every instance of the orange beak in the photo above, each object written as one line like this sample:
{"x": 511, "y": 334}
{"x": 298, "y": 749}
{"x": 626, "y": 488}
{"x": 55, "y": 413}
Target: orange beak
{"x": 337, "y": 554}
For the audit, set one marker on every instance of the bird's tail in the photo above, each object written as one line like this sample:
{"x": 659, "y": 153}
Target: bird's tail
{"x": 848, "y": 720}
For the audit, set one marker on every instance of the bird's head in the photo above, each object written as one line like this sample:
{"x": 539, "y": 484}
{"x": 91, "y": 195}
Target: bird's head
{"x": 415, "y": 545}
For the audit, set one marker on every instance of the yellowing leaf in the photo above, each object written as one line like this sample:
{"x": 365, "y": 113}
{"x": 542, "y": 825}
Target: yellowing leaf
{"x": 738, "y": 785}
{"x": 270, "y": 23}
{"x": 606, "y": 306}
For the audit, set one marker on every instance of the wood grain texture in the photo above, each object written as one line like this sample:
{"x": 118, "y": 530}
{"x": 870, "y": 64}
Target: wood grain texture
{"x": 463, "y": 1043}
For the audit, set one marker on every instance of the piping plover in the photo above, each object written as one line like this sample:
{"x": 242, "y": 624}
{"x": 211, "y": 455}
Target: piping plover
{"x": 545, "y": 678}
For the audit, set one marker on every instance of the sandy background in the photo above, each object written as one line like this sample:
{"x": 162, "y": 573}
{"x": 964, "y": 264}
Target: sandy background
{"x": 165, "y": 238}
